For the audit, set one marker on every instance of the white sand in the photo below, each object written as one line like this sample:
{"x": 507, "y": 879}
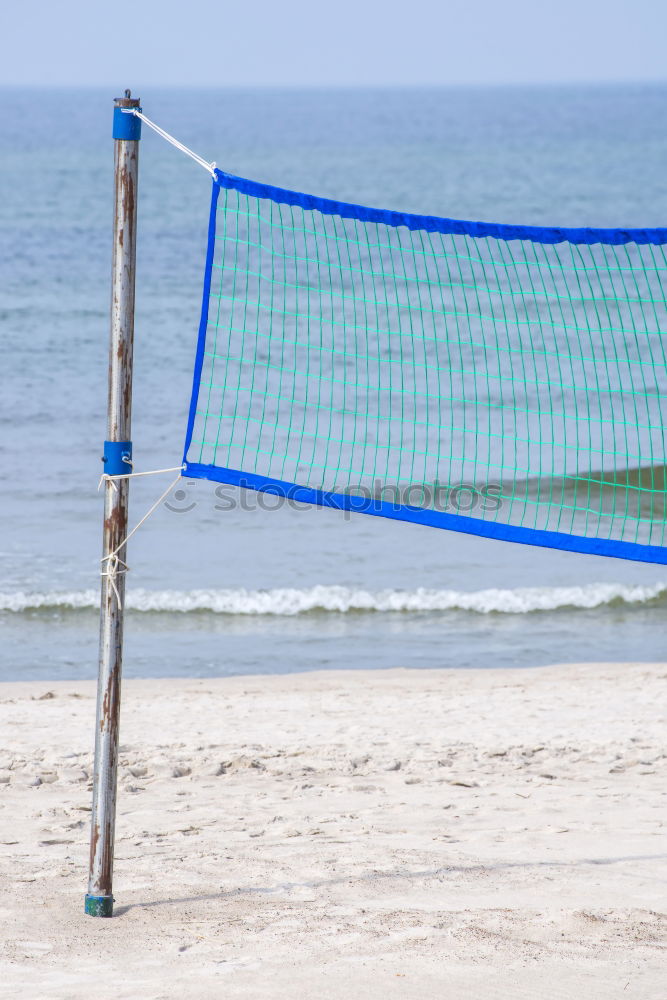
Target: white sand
{"x": 412, "y": 834}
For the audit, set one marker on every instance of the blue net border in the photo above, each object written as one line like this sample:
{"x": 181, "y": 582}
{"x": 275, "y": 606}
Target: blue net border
{"x": 434, "y": 224}
{"x": 430, "y": 518}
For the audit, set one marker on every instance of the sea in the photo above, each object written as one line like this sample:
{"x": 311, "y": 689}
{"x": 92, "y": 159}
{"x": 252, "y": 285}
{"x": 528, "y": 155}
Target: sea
{"x": 214, "y": 591}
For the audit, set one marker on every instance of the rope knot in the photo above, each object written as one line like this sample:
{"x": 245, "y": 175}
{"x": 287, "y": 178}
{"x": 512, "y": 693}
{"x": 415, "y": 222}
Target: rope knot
{"x": 115, "y": 566}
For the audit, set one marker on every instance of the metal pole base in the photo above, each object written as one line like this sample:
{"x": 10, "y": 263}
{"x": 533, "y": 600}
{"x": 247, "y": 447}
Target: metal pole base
{"x": 99, "y": 906}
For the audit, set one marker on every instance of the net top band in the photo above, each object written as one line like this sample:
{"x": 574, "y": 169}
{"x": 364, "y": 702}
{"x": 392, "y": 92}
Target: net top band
{"x": 434, "y": 224}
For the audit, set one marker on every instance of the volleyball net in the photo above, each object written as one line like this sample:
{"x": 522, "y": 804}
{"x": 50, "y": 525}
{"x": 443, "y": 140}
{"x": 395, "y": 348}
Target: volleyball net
{"x": 507, "y": 381}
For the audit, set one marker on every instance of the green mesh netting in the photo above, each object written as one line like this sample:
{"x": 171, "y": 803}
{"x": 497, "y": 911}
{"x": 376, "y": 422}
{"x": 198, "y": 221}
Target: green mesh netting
{"x": 501, "y": 380}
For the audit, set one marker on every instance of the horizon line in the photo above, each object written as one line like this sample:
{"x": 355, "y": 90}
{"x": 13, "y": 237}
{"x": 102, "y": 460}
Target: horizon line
{"x": 422, "y": 85}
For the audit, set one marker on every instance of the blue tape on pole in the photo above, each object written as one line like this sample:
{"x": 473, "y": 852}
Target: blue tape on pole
{"x": 99, "y": 906}
{"x": 117, "y": 458}
{"x": 126, "y": 126}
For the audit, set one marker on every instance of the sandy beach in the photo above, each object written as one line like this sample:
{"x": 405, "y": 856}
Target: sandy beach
{"x": 408, "y": 834}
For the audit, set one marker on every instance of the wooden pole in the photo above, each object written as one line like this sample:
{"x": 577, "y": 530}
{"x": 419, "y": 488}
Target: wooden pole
{"x": 117, "y": 459}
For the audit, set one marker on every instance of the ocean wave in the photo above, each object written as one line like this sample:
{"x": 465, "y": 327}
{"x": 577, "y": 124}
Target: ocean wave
{"x": 341, "y": 600}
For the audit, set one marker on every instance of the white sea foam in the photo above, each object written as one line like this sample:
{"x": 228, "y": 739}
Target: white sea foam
{"x": 294, "y": 601}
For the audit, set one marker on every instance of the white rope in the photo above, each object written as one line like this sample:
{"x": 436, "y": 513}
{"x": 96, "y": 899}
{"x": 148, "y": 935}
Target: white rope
{"x": 105, "y": 478}
{"x": 115, "y": 564}
{"x": 165, "y": 135}
{"x": 114, "y": 567}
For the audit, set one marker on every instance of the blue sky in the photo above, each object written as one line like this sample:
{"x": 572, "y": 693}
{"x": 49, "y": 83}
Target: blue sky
{"x": 348, "y": 42}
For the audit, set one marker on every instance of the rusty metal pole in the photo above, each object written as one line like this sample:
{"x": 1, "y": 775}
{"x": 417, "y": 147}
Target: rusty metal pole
{"x": 117, "y": 459}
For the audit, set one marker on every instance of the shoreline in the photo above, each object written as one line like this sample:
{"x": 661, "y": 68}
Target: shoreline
{"x": 398, "y": 833}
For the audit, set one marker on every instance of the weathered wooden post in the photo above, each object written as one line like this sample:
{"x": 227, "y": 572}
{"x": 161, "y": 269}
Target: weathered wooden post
{"x": 117, "y": 460}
